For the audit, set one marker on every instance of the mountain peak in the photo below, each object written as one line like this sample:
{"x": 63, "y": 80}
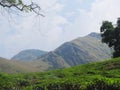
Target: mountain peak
{"x": 94, "y": 34}
{"x": 29, "y": 55}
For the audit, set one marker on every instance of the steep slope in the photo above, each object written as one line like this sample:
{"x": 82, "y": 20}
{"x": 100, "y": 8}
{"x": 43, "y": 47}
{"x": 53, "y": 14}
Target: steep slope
{"x": 79, "y": 51}
{"x": 54, "y": 60}
{"x": 28, "y": 55}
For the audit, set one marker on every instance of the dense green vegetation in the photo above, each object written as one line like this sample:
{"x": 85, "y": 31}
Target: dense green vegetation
{"x": 103, "y": 75}
{"x": 111, "y": 35}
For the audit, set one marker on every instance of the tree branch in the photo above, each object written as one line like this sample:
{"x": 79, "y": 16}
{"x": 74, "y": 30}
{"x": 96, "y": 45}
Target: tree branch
{"x": 22, "y": 7}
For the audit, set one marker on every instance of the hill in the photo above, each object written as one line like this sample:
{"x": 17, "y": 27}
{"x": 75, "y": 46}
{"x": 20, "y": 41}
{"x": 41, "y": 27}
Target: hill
{"x": 28, "y": 55}
{"x": 12, "y": 66}
{"x": 9, "y": 67}
{"x": 104, "y": 75}
{"x": 79, "y": 51}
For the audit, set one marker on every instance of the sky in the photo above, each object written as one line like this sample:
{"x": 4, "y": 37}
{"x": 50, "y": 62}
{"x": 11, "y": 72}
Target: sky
{"x": 64, "y": 21}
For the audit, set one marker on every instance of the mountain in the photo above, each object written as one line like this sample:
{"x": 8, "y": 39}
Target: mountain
{"x": 28, "y": 55}
{"x": 79, "y": 51}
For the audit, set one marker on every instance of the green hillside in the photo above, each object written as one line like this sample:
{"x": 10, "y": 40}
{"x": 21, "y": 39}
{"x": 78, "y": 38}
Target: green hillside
{"x": 104, "y": 75}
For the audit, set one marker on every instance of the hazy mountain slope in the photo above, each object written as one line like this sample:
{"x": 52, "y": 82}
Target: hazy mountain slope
{"x": 11, "y": 66}
{"x": 53, "y": 59}
{"x": 8, "y": 66}
{"x": 79, "y": 51}
{"x": 28, "y": 55}
{"x": 83, "y": 50}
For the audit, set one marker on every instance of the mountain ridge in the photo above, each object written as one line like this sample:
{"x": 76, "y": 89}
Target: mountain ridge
{"x": 82, "y": 50}
{"x": 79, "y": 51}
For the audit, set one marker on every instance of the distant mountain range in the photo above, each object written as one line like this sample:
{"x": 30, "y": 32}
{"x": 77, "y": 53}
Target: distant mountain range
{"x": 79, "y": 51}
{"x": 28, "y": 55}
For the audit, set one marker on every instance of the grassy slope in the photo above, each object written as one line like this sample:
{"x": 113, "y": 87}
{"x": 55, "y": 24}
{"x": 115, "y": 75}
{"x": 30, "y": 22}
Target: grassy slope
{"x": 108, "y": 69}
{"x": 81, "y": 77}
{"x": 84, "y": 75}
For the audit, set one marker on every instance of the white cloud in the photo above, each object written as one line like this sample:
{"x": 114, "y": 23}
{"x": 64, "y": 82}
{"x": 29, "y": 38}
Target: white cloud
{"x": 33, "y": 31}
{"x": 59, "y": 25}
{"x": 90, "y": 21}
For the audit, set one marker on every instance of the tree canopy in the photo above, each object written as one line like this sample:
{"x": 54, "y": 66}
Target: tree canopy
{"x": 21, "y": 6}
{"x": 111, "y": 36}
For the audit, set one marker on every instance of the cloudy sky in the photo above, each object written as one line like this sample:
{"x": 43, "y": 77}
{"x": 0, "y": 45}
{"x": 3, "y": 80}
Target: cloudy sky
{"x": 64, "y": 20}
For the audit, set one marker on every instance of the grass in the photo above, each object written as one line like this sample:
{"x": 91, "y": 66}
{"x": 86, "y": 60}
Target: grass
{"x": 104, "y": 75}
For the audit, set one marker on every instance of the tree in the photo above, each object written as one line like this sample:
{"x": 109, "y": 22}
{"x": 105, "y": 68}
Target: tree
{"x": 19, "y": 5}
{"x": 111, "y": 36}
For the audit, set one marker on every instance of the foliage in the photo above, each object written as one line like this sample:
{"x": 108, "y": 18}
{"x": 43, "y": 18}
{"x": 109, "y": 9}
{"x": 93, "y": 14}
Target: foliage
{"x": 111, "y": 36}
{"x": 21, "y": 6}
{"x": 103, "y": 75}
